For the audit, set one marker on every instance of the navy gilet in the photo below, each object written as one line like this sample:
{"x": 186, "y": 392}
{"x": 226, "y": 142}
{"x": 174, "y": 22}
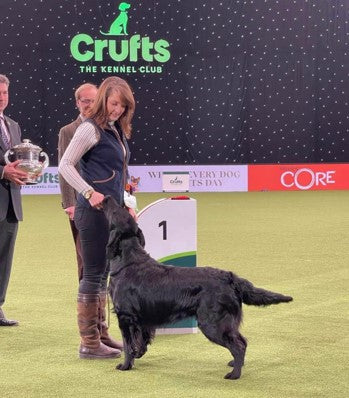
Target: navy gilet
{"x": 104, "y": 166}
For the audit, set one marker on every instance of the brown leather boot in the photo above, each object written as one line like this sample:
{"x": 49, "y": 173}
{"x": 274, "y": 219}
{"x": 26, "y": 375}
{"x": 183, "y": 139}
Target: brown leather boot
{"x": 91, "y": 346}
{"x": 103, "y": 327}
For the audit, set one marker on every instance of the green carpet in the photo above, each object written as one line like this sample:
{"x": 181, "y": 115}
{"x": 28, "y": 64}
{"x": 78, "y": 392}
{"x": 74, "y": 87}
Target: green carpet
{"x": 295, "y": 243}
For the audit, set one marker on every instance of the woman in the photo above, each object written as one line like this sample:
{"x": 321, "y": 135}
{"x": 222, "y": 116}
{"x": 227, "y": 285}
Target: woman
{"x": 99, "y": 144}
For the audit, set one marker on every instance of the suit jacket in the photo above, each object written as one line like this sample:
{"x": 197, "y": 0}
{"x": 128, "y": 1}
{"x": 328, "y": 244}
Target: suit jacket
{"x": 9, "y": 189}
{"x": 69, "y": 195}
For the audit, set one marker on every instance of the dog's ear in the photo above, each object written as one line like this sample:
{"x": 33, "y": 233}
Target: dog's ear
{"x": 140, "y": 237}
{"x": 112, "y": 248}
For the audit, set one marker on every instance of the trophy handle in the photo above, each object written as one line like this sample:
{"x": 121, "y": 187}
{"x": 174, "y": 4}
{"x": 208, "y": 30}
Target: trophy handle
{"x": 7, "y": 154}
{"x": 46, "y": 162}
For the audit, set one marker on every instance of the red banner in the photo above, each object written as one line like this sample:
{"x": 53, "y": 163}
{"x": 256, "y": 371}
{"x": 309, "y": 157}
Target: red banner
{"x": 298, "y": 177}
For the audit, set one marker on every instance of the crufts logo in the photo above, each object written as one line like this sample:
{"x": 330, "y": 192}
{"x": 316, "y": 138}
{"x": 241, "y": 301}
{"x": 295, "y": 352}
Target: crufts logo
{"x": 115, "y": 45}
{"x": 119, "y": 26}
{"x": 176, "y": 181}
{"x": 305, "y": 179}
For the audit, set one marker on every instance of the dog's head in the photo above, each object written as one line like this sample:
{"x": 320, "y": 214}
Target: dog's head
{"x": 121, "y": 226}
{"x": 124, "y": 6}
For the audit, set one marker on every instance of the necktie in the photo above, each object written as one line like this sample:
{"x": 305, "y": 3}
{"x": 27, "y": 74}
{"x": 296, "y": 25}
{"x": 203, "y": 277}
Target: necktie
{"x": 4, "y": 135}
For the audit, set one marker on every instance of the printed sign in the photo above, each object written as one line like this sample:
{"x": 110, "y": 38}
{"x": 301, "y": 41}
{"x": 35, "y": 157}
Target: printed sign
{"x": 149, "y": 179}
{"x": 170, "y": 230}
{"x": 48, "y": 183}
{"x": 224, "y": 178}
{"x": 298, "y": 177}
{"x": 175, "y": 181}
{"x": 229, "y": 178}
{"x": 115, "y": 51}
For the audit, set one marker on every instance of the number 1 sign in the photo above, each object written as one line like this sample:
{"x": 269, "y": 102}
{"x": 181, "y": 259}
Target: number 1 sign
{"x": 169, "y": 228}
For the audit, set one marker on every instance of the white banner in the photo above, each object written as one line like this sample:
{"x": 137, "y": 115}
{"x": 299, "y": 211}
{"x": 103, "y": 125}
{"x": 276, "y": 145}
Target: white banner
{"x": 224, "y": 178}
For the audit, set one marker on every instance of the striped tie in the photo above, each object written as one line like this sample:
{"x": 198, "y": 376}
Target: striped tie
{"x": 4, "y": 136}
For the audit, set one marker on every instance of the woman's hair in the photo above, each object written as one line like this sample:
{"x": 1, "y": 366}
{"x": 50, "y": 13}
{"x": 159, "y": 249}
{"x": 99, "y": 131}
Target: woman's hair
{"x": 99, "y": 112}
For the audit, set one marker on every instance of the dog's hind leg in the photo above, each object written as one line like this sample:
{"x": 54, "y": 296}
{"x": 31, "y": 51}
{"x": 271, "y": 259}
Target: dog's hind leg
{"x": 244, "y": 343}
{"x": 237, "y": 345}
{"x": 224, "y": 331}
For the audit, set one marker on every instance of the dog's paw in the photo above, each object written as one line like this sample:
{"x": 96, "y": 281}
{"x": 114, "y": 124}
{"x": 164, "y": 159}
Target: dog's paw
{"x": 123, "y": 366}
{"x": 233, "y": 375}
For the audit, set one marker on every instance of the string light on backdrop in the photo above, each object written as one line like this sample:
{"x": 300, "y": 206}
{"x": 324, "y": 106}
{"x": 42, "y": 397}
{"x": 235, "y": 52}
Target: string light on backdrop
{"x": 216, "y": 82}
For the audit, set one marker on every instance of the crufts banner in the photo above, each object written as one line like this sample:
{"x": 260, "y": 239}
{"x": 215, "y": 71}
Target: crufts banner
{"x": 216, "y": 82}
{"x": 224, "y": 178}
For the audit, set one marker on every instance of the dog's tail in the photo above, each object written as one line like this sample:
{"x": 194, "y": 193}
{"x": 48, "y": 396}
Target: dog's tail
{"x": 252, "y": 295}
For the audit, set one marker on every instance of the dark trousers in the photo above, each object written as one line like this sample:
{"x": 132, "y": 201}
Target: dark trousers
{"x": 8, "y": 234}
{"x": 76, "y": 237}
{"x": 94, "y": 234}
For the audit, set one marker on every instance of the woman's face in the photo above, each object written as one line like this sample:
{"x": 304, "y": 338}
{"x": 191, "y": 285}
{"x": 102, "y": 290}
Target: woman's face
{"x": 115, "y": 107}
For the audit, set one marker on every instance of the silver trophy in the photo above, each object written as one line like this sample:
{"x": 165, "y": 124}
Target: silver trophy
{"x": 29, "y": 156}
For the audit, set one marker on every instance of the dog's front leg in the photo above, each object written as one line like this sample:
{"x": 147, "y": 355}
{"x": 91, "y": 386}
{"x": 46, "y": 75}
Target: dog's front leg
{"x": 128, "y": 340}
{"x": 146, "y": 336}
{"x": 125, "y": 28}
{"x": 128, "y": 361}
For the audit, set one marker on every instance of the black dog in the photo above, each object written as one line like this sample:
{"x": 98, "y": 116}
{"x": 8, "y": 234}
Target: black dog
{"x": 147, "y": 294}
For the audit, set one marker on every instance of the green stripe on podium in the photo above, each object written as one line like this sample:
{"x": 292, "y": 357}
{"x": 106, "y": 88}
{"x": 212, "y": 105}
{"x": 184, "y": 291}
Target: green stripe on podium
{"x": 186, "y": 259}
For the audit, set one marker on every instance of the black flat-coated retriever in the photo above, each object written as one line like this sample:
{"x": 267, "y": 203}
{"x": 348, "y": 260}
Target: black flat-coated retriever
{"x": 147, "y": 294}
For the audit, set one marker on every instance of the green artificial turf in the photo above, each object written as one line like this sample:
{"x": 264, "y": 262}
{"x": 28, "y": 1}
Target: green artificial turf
{"x": 295, "y": 243}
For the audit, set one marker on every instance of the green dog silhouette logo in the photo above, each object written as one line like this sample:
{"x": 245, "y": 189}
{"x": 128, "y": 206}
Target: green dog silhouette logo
{"x": 120, "y": 47}
{"x": 119, "y": 26}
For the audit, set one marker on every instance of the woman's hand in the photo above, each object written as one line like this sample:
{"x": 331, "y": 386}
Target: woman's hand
{"x": 70, "y": 211}
{"x": 96, "y": 200}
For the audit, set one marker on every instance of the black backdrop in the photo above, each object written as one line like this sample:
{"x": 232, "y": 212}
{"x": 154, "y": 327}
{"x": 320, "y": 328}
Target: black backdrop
{"x": 253, "y": 81}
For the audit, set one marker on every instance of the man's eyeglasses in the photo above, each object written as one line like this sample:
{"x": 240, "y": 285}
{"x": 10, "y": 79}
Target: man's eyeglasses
{"x": 87, "y": 101}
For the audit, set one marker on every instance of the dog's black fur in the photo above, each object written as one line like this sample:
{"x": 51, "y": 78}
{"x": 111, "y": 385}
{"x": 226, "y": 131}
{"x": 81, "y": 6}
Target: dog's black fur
{"x": 147, "y": 294}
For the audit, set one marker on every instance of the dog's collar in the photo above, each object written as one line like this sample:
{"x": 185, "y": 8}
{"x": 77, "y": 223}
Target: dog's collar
{"x": 127, "y": 235}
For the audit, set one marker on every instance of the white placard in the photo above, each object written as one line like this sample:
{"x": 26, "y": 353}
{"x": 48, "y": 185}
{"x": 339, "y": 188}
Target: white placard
{"x": 175, "y": 181}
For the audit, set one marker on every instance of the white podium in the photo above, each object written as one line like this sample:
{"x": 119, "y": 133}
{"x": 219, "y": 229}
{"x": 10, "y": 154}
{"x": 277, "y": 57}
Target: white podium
{"x": 169, "y": 228}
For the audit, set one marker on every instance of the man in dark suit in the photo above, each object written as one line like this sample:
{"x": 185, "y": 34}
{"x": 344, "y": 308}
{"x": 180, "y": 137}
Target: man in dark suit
{"x": 10, "y": 196}
{"x": 84, "y": 97}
